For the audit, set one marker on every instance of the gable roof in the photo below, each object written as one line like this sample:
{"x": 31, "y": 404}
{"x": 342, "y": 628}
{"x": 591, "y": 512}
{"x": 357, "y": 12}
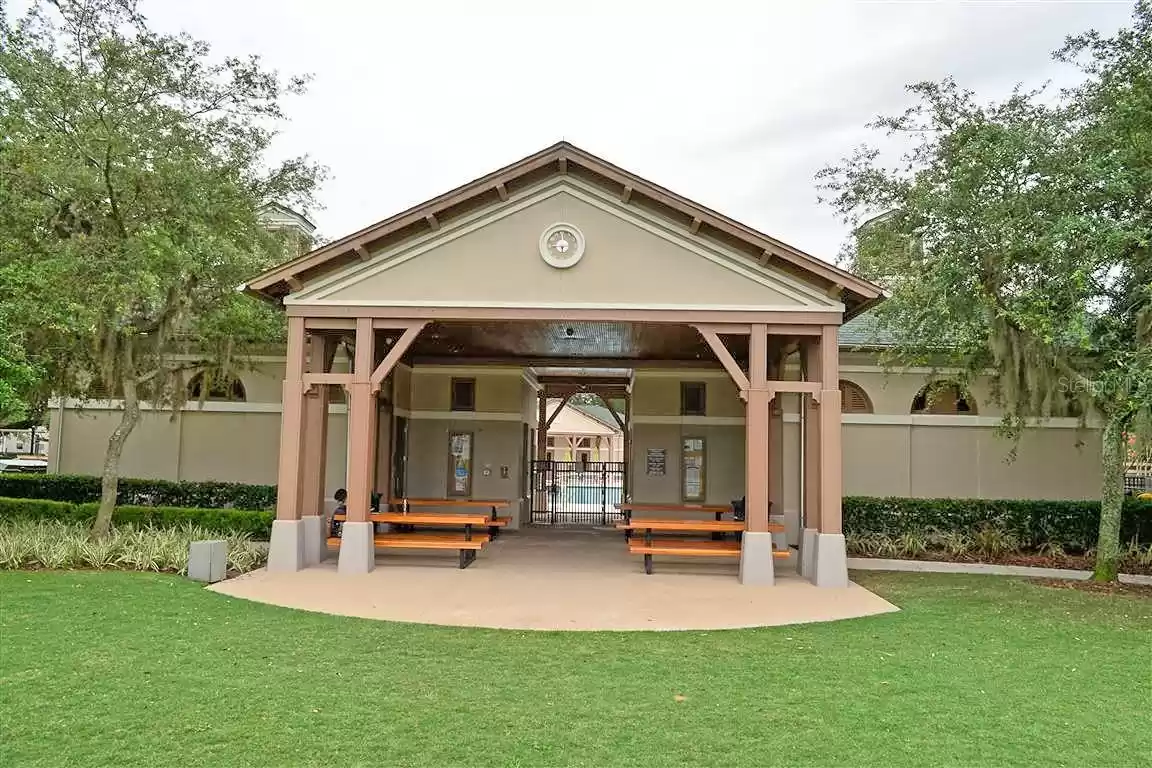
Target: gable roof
{"x": 598, "y": 413}
{"x": 565, "y": 158}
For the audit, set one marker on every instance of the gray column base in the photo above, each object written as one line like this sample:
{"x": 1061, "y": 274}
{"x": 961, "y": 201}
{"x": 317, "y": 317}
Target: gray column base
{"x": 357, "y": 549}
{"x": 831, "y": 561}
{"x": 756, "y": 565}
{"x": 286, "y": 547}
{"x": 808, "y": 544}
{"x": 315, "y": 542}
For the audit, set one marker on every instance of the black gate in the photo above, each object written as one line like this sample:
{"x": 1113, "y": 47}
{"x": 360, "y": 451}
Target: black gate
{"x": 576, "y": 492}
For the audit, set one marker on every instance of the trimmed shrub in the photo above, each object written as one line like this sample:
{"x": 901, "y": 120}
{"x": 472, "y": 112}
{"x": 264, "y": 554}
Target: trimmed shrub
{"x": 81, "y": 489}
{"x": 257, "y": 524}
{"x": 1032, "y": 523}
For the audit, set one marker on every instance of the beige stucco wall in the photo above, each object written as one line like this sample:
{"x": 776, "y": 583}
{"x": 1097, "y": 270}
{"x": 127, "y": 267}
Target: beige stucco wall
{"x": 196, "y": 445}
{"x": 496, "y": 392}
{"x": 496, "y": 444}
{"x": 500, "y": 262}
{"x": 924, "y": 456}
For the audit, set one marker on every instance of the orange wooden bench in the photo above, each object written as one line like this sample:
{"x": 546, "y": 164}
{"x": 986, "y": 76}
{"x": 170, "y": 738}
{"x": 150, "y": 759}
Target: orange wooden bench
{"x": 467, "y": 547}
{"x": 681, "y": 548}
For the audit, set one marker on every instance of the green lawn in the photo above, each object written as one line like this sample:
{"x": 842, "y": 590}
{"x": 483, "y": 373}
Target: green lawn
{"x": 123, "y": 669}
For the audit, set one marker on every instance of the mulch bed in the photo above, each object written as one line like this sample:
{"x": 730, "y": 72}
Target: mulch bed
{"x": 1114, "y": 588}
{"x": 1068, "y": 562}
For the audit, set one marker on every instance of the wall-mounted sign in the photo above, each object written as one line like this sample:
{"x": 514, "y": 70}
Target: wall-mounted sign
{"x": 657, "y": 462}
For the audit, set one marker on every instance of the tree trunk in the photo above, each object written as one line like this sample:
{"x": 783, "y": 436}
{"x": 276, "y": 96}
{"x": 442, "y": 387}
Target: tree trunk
{"x": 110, "y": 478}
{"x": 1112, "y": 460}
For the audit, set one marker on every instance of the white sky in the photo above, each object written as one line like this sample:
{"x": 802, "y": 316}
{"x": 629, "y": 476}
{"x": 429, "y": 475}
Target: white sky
{"x": 734, "y": 110}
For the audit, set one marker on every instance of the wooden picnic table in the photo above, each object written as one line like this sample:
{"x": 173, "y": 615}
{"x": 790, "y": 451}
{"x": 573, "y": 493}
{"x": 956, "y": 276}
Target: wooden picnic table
{"x": 495, "y": 523}
{"x": 437, "y": 519}
{"x": 628, "y": 508}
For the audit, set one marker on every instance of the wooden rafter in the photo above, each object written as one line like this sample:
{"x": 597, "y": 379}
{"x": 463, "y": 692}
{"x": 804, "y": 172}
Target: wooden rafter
{"x": 294, "y": 283}
{"x": 502, "y": 191}
{"x": 694, "y": 227}
{"x": 362, "y": 252}
{"x": 626, "y": 195}
{"x": 432, "y": 221}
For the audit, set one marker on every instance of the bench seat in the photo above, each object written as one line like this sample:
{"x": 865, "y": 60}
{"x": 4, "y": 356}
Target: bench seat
{"x": 682, "y": 548}
{"x": 450, "y": 541}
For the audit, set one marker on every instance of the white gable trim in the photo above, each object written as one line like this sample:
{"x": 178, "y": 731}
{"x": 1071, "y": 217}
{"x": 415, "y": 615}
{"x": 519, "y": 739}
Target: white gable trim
{"x": 809, "y": 298}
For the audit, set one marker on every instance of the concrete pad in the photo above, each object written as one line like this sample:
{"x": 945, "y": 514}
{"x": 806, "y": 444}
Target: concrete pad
{"x": 756, "y": 566}
{"x": 286, "y": 546}
{"x": 549, "y": 580}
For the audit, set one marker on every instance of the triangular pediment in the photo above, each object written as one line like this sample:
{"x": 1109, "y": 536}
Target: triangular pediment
{"x": 679, "y": 227}
{"x": 630, "y": 258}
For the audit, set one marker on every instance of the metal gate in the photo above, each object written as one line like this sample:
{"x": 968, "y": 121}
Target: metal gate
{"x": 576, "y": 492}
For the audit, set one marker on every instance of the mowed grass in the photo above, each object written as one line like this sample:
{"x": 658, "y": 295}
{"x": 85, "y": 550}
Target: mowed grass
{"x": 127, "y": 669}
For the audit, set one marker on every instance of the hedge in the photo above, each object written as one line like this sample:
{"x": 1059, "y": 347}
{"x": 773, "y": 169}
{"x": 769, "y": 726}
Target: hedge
{"x": 257, "y": 524}
{"x": 81, "y": 489}
{"x": 1073, "y": 524}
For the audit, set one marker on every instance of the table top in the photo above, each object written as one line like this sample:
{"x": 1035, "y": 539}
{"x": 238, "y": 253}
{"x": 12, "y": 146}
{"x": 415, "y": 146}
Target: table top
{"x": 637, "y": 507}
{"x": 497, "y": 503}
{"x": 666, "y": 524}
{"x": 425, "y": 518}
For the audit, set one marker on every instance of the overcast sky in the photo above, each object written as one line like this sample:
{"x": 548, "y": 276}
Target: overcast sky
{"x": 737, "y": 112}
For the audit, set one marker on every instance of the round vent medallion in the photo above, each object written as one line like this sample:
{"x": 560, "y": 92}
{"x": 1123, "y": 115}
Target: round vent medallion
{"x": 562, "y": 245}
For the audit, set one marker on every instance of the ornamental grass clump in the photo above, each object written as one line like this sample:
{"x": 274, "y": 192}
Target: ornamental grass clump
{"x": 56, "y": 545}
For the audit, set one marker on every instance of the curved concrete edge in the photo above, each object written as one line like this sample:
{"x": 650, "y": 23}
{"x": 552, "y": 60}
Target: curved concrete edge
{"x": 988, "y": 569}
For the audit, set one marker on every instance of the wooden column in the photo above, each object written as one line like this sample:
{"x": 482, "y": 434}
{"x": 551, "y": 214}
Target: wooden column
{"x": 831, "y": 454}
{"x": 811, "y": 456}
{"x": 776, "y": 445}
{"x": 756, "y": 430}
{"x": 626, "y": 489}
{"x": 291, "y": 425}
{"x": 315, "y": 439}
{"x": 362, "y": 417}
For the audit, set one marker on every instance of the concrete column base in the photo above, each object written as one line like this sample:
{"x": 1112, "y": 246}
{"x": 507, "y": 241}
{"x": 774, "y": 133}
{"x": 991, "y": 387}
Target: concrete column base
{"x": 808, "y": 543}
{"x": 315, "y": 542}
{"x": 756, "y": 565}
{"x": 831, "y": 561}
{"x": 286, "y": 547}
{"x": 357, "y": 549}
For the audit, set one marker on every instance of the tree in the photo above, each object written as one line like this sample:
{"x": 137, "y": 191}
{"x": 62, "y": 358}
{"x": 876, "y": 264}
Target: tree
{"x": 133, "y": 173}
{"x": 1016, "y": 240}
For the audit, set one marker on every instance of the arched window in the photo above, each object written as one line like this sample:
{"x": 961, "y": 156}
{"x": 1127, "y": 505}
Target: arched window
{"x": 944, "y": 398}
{"x": 229, "y": 389}
{"x": 853, "y": 398}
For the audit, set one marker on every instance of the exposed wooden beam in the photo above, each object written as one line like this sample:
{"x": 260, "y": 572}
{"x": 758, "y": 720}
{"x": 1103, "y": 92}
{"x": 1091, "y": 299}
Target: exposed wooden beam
{"x": 694, "y": 227}
{"x": 559, "y": 362}
{"x": 362, "y": 252}
{"x": 726, "y": 359}
{"x": 502, "y": 191}
{"x": 563, "y": 164}
{"x": 397, "y": 325}
{"x": 611, "y": 410}
{"x": 394, "y": 354}
{"x": 294, "y": 283}
{"x": 626, "y": 195}
{"x": 555, "y": 413}
{"x": 765, "y": 258}
{"x": 329, "y": 323}
{"x": 311, "y": 379}
{"x": 835, "y": 291}
{"x": 432, "y": 221}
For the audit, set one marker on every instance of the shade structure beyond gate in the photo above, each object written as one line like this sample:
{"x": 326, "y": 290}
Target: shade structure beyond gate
{"x": 577, "y": 492}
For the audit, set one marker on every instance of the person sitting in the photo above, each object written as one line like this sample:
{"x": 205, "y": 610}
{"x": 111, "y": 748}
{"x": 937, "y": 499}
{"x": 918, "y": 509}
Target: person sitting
{"x": 341, "y": 509}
